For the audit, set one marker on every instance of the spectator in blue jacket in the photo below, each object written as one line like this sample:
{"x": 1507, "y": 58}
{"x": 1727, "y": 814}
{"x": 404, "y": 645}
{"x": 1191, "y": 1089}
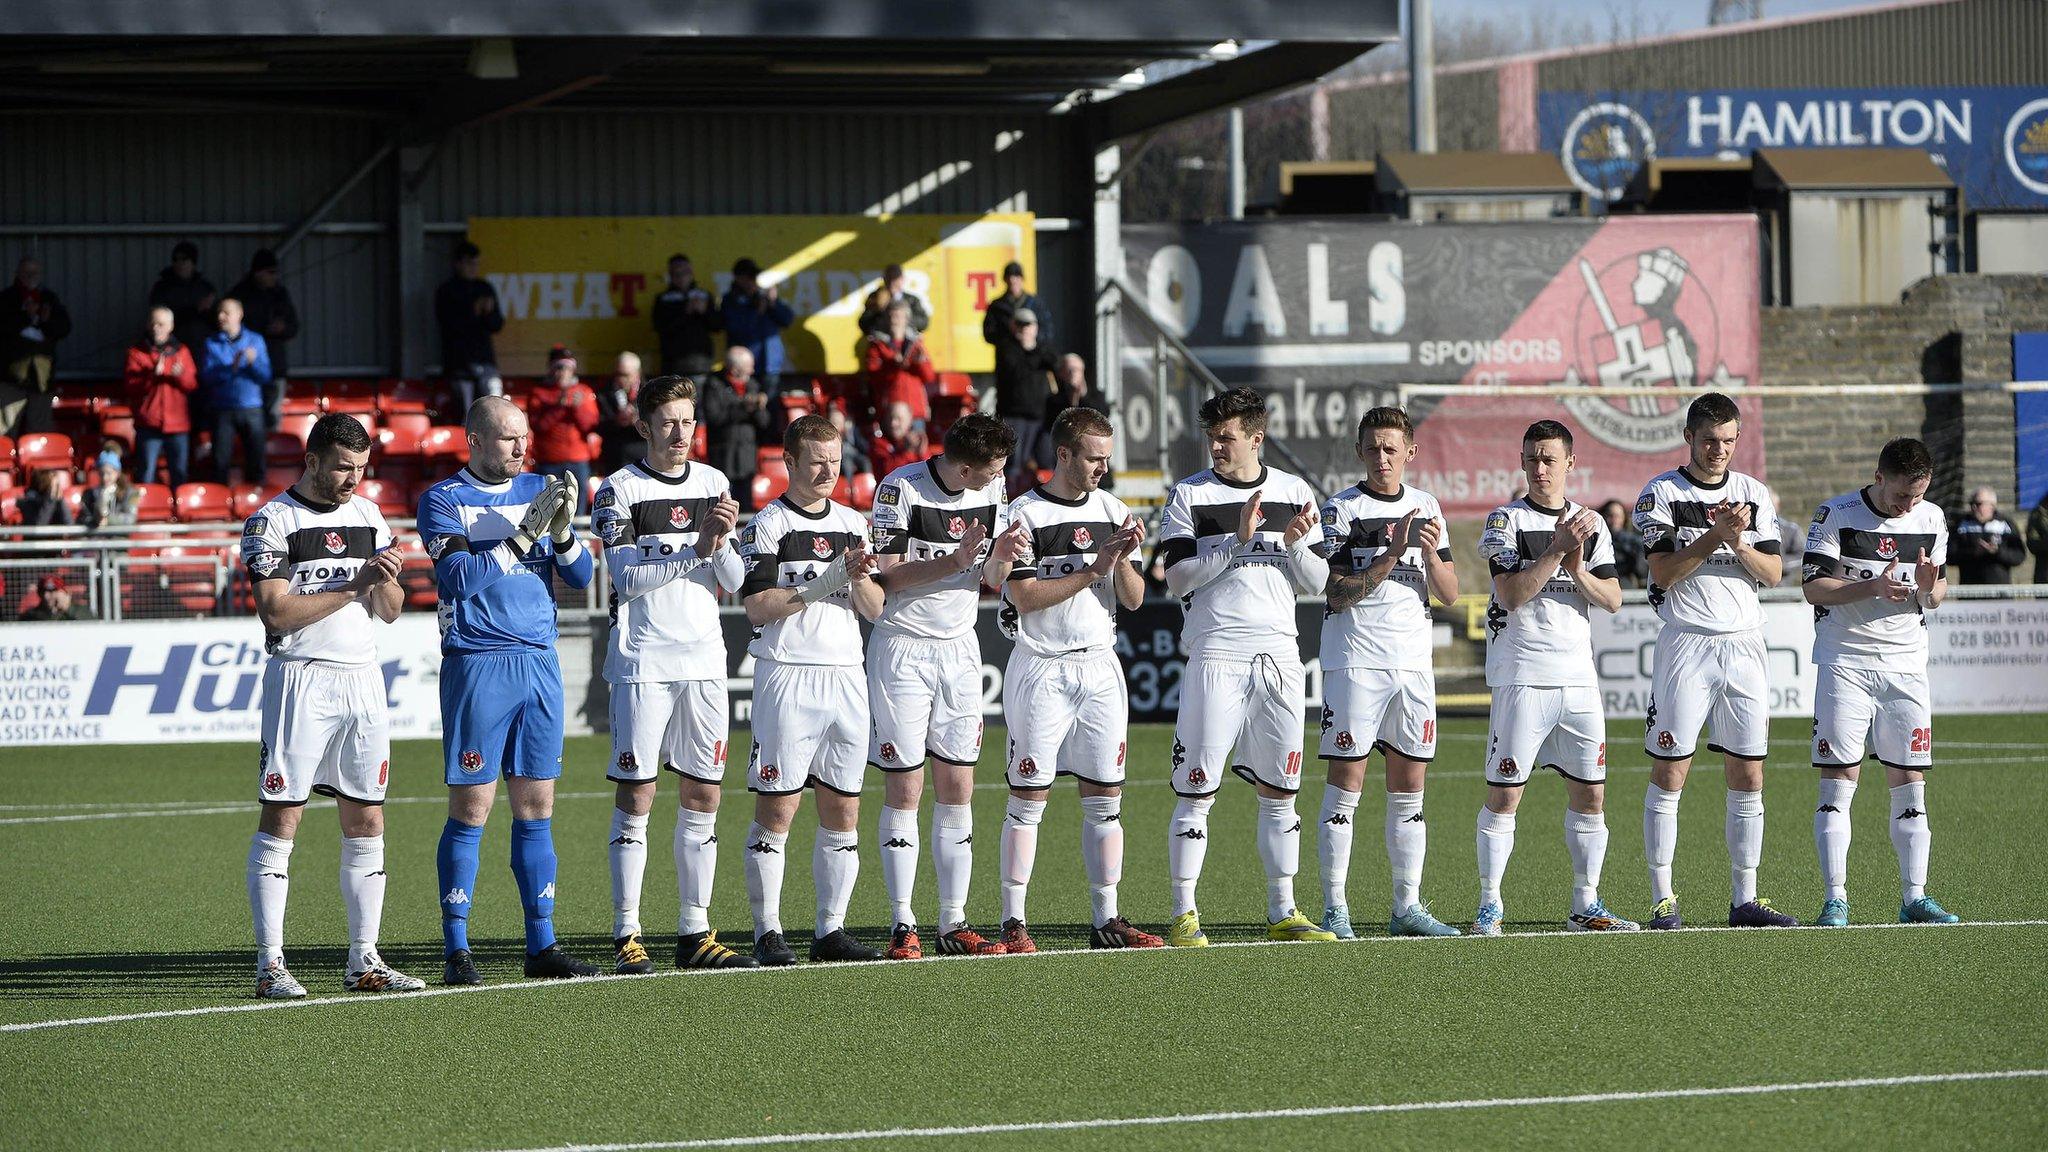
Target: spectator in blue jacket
{"x": 754, "y": 320}
{"x": 234, "y": 371}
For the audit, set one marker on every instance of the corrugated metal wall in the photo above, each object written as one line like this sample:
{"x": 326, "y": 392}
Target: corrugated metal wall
{"x": 102, "y": 197}
{"x": 1374, "y": 118}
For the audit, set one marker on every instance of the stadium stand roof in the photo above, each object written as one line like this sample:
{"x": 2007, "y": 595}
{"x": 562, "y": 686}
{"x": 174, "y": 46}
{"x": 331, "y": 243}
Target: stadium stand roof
{"x": 1848, "y": 169}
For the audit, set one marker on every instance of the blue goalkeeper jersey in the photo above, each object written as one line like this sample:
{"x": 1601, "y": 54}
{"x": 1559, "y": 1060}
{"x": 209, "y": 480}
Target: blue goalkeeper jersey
{"x": 493, "y": 600}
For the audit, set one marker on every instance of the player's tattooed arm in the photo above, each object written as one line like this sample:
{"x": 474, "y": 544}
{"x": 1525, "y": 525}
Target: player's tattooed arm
{"x": 1345, "y": 591}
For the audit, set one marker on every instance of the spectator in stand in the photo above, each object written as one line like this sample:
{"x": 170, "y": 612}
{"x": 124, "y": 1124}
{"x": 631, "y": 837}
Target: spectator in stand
{"x": 466, "y": 308}
{"x": 113, "y": 504}
{"x": 1024, "y": 387}
{"x": 109, "y": 459}
{"x": 754, "y": 320}
{"x": 899, "y": 369}
{"x": 875, "y": 317}
{"x": 43, "y": 506}
{"x": 1984, "y": 546}
{"x": 267, "y": 310}
{"x": 684, "y": 319}
{"x": 1631, "y": 562}
{"x": 853, "y": 447}
{"x": 737, "y": 418}
{"x": 190, "y": 296}
{"x": 1791, "y": 541}
{"x": 161, "y": 378}
{"x": 563, "y": 412}
{"x": 998, "y": 322}
{"x": 2037, "y": 540}
{"x": 54, "y": 602}
{"x": 235, "y": 367}
{"x": 1069, "y": 390}
{"x": 618, "y": 416}
{"x": 32, "y": 320}
{"x": 900, "y": 441}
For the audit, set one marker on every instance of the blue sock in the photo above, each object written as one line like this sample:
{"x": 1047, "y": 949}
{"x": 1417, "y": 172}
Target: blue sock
{"x": 456, "y": 862}
{"x": 533, "y": 864}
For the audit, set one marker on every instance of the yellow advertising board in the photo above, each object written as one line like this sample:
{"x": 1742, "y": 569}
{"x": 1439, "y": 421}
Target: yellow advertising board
{"x": 590, "y": 281}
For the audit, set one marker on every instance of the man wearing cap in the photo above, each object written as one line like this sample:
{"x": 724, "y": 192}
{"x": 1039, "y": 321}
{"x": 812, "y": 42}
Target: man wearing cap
{"x": 267, "y": 310}
{"x": 564, "y": 414}
{"x": 188, "y": 295}
{"x": 754, "y": 320}
{"x": 1024, "y": 385}
{"x": 54, "y": 602}
{"x": 996, "y": 323}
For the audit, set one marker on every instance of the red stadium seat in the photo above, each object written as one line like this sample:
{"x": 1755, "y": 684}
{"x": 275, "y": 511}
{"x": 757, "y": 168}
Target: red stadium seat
{"x": 7, "y": 453}
{"x": 200, "y": 503}
{"x": 284, "y": 449}
{"x": 843, "y": 491}
{"x": 10, "y": 511}
{"x": 7, "y": 482}
{"x": 445, "y": 442}
{"x": 410, "y": 424}
{"x": 349, "y": 395}
{"x": 863, "y": 491}
{"x": 767, "y": 487}
{"x": 276, "y": 480}
{"x": 43, "y": 450}
{"x": 403, "y": 396}
{"x": 153, "y": 504}
{"x": 247, "y": 499}
{"x": 121, "y": 427}
{"x": 368, "y": 419}
{"x": 391, "y": 497}
{"x": 700, "y": 447}
{"x": 296, "y": 425}
{"x": 303, "y": 400}
{"x": 954, "y": 384}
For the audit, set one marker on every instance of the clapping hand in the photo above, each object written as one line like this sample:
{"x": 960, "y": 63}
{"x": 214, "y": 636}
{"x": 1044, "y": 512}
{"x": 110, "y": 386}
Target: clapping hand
{"x": 1303, "y": 523}
{"x": 1890, "y": 588}
{"x": 969, "y": 551}
{"x": 1926, "y": 574}
{"x": 1118, "y": 547}
{"x": 1249, "y": 519}
{"x": 562, "y": 525}
{"x": 718, "y": 524}
{"x": 1010, "y": 547}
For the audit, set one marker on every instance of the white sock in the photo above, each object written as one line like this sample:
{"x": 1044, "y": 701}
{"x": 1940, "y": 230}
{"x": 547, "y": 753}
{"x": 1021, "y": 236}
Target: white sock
{"x": 629, "y": 868}
{"x": 953, "y": 860}
{"x": 696, "y": 850}
{"x": 270, "y": 861}
{"x": 767, "y": 855}
{"x": 362, "y": 893}
{"x": 1280, "y": 852}
{"x": 1831, "y": 834}
{"x": 1187, "y": 842}
{"x": 1585, "y": 836}
{"x": 1660, "y": 838}
{"x": 1339, "y": 819}
{"x": 835, "y": 864}
{"x": 1745, "y": 832}
{"x": 1910, "y": 837}
{"x": 898, "y": 830}
{"x": 1407, "y": 841}
{"x": 1019, "y": 852}
{"x": 1496, "y": 844}
{"x": 1102, "y": 852}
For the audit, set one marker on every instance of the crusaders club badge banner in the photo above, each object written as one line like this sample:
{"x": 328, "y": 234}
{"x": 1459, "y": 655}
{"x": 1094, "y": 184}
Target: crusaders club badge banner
{"x": 1330, "y": 318}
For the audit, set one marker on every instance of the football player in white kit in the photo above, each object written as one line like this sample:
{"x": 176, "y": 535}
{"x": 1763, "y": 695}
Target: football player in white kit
{"x": 933, "y": 521}
{"x": 808, "y": 573}
{"x": 1874, "y": 561}
{"x": 666, "y": 524}
{"x": 1712, "y": 538}
{"x": 1239, "y": 541}
{"x": 1064, "y": 566}
{"x": 321, "y": 563}
{"x": 1389, "y": 551}
{"x": 1550, "y": 559}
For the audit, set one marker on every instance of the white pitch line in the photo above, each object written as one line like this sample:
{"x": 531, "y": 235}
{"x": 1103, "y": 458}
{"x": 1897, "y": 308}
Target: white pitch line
{"x": 800, "y": 969}
{"x": 846, "y": 1137}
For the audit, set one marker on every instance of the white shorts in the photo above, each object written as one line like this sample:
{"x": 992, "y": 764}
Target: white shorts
{"x": 1367, "y": 708}
{"x": 1889, "y": 709}
{"x": 1702, "y": 678}
{"x": 1562, "y": 729}
{"x": 324, "y": 730}
{"x": 1252, "y": 705}
{"x": 1067, "y": 716}
{"x": 680, "y": 725}
{"x": 925, "y": 696}
{"x": 810, "y": 727}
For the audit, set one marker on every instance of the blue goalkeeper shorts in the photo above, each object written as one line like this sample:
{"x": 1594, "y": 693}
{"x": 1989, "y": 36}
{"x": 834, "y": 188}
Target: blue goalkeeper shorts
{"x": 501, "y": 715}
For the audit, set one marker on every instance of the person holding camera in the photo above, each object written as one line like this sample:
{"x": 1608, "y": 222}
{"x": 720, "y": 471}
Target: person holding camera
{"x": 684, "y": 320}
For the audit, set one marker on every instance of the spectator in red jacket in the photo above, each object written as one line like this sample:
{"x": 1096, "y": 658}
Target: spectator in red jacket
{"x": 161, "y": 378}
{"x": 563, "y": 412}
{"x": 899, "y": 369}
{"x": 899, "y": 442}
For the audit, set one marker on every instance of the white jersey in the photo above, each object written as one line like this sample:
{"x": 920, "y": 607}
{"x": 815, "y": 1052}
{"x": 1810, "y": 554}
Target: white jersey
{"x": 1065, "y": 537}
{"x": 1853, "y": 540}
{"x": 1720, "y": 595}
{"x": 785, "y": 546}
{"x": 664, "y": 616}
{"x": 317, "y": 547}
{"x": 1249, "y": 609}
{"x": 1547, "y": 642}
{"x": 918, "y": 518}
{"x": 1389, "y": 629}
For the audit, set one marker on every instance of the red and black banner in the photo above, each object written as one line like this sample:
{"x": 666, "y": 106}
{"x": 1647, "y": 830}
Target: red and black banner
{"x": 1329, "y": 318}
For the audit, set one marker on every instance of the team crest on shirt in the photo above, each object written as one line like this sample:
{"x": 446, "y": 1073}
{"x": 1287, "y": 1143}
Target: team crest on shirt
{"x": 472, "y": 760}
{"x": 1083, "y": 538}
{"x": 1887, "y": 548}
{"x": 956, "y": 527}
{"x": 335, "y": 543}
{"x": 821, "y": 547}
{"x": 1507, "y": 767}
{"x": 679, "y": 517}
{"x": 889, "y": 752}
{"x": 1344, "y": 742}
{"x": 1666, "y": 741}
{"x": 1027, "y": 767}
